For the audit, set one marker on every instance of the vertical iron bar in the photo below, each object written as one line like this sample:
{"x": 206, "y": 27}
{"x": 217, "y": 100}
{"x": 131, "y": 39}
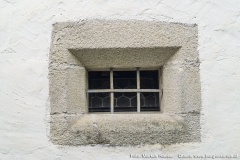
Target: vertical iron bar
{"x": 111, "y": 94}
{"x": 160, "y": 87}
{"x": 138, "y": 93}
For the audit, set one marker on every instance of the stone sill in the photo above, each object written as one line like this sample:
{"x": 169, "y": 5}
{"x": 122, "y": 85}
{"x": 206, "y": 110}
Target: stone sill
{"x": 124, "y": 129}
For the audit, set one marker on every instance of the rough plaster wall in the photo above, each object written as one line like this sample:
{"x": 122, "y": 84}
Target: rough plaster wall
{"x": 25, "y": 34}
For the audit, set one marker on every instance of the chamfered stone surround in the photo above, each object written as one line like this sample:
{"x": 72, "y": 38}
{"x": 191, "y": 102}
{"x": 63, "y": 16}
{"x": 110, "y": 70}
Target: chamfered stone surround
{"x": 99, "y": 44}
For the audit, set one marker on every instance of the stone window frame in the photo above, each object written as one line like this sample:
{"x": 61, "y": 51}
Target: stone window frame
{"x": 92, "y": 44}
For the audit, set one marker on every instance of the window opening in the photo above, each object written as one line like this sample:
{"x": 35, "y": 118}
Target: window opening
{"x": 123, "y": 91}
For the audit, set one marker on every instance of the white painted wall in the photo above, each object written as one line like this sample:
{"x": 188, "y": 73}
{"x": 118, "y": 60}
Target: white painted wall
{"x": 25, "y": 35}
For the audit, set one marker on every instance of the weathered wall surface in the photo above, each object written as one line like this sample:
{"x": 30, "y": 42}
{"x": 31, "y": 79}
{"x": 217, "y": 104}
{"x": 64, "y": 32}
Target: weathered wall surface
{"x": 25, "y": 36}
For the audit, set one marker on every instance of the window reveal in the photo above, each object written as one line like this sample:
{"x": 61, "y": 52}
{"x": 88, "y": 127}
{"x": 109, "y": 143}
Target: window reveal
{"x": 123, "y": 91}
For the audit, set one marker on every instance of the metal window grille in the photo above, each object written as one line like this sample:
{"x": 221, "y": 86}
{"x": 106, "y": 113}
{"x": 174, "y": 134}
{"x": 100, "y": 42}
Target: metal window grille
{"x": 123, "y": 91}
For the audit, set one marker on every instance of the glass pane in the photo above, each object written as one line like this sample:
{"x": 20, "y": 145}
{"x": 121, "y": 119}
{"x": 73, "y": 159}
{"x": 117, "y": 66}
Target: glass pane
{"x": 124, "y": 79}
{"x": 99, "y": 102}
{"x": 149, "y": 79}
{"x": 99, "y": 80}
{"x": 125, "y": 101}
{"x": 149, "y": 101}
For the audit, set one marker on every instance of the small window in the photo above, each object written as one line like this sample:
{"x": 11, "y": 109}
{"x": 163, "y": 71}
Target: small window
{"x": 123, "y": 91}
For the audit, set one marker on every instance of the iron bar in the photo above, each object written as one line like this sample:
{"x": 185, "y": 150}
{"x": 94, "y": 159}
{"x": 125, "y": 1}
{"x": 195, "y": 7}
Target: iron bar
{"x": 112, "y": 93}
{"x": 138, "y": 88}
{"x": 122, "y": 90}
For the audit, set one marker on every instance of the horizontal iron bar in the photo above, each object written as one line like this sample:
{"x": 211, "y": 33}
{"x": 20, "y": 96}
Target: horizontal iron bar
{"x": 122, "y": 90}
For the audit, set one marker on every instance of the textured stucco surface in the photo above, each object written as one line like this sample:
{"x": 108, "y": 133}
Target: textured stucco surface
{"x": 25, "y": 36}
{"x": 130, "y": 58}
{"x": 77, "y": 47}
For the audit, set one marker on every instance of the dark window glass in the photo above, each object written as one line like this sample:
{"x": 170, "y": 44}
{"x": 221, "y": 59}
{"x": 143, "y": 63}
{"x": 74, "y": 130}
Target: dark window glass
{"x": 99, "y": 80}
{"x": 99, "y": 102}
{"x": 149, "y": 101}
{"x": 124, "y": 80}
{"x": 149, "y": 79}
{"x": 125, "y": 101}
